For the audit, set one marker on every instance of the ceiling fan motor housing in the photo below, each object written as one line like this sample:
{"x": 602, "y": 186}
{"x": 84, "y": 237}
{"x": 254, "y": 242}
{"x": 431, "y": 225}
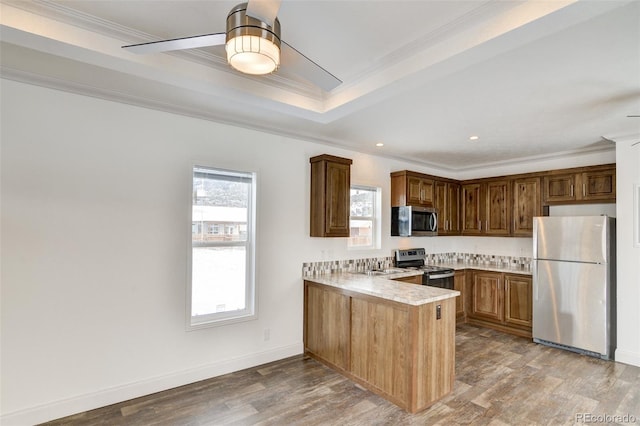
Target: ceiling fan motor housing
{"x": 252, "y": 46}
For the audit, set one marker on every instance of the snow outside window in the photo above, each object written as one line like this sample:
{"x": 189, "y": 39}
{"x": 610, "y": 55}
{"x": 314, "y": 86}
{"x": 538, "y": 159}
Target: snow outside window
{"x": 222, "y": 279}
{"x": 364, "y": 220}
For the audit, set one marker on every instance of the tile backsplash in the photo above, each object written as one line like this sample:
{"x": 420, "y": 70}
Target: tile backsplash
{"x": 358, "y": 265}
{"x": 351, "y": 265}
{"x": 479, "y": 259}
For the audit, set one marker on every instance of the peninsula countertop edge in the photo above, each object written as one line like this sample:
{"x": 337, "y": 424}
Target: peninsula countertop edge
{"x": 385, "y": 287}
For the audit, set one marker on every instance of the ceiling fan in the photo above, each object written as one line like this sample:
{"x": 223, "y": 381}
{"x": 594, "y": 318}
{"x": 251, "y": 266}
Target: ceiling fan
{"x": 253, "y": 45}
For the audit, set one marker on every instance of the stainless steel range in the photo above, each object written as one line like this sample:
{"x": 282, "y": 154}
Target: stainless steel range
{"x": 435, "y": 276}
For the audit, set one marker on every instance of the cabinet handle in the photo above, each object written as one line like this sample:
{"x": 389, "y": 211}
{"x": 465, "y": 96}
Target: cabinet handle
{"x": 479, "y": 225}
{"x": 571, "y": 190}
{"x": 486, "y": 225}
{"x": 584, "y": 190}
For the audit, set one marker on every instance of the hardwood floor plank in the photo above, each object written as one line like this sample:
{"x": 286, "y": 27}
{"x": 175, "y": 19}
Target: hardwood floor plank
{"x": 501, "y": 380}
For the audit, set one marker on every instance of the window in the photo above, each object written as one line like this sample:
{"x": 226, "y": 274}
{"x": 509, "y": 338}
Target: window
{"x": 221, "y": 284}
{"x": 364, "y": 220}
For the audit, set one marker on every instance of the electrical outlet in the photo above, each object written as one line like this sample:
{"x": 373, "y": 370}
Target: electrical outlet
{"x": 267, "y": 334}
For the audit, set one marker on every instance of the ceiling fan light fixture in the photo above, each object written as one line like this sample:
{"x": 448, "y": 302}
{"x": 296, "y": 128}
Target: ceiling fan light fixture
{"x": 253, "y": 46}
{"x": 253, "y": 55}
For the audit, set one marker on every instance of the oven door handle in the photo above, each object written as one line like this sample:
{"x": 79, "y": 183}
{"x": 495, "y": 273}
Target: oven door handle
{"x": 441, "y": 275}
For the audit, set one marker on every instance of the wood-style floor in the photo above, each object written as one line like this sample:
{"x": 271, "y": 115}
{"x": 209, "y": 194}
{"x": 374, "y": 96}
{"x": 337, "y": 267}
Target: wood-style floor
{"x": 500, "y": 380}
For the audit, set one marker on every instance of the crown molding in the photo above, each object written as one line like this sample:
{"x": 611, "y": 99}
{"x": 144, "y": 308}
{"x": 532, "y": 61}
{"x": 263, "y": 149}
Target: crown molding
{"x": 126, "y": 98}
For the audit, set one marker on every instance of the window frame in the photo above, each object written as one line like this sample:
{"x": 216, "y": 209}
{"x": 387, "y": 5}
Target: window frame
{"x": 376, "y": 218}
{"x": 228, "y": 317}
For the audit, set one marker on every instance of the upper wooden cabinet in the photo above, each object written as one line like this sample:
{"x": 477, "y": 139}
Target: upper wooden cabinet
{"x": 526, "y": 205}
{"x": 447, "y": 201}
{"x": 411, "y": 189}
{"x": 582, "y": 185}
{"x": 559, "y": 188}
{"x": 472, "y": 208}
{"x": 502, "y": 206}
{"x": 599, "y": 185}
{"x": 498, "y": 207}
{"x": 486, "y": 208}
{"x": 330, "y": 196}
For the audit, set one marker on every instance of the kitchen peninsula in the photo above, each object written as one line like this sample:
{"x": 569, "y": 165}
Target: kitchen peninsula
{"x": 394, "y": 338}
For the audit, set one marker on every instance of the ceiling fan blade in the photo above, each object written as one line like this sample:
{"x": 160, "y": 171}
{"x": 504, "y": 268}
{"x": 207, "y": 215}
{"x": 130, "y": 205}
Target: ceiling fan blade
{"x": 296, "y": 62}
{"x": 263, "y": 10}
{"x": 178, "y": 43}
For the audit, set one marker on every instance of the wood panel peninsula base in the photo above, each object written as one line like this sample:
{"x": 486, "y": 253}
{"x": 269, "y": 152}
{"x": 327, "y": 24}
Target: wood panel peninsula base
{"x": 399, "y": 347}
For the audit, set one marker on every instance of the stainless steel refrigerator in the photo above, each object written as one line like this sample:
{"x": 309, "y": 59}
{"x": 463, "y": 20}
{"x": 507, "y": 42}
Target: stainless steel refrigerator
{"x": 574, "y": 283}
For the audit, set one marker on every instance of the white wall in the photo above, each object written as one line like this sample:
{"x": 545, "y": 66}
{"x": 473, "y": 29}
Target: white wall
{"x": 628, "y": 279}
{"x": 95, "y": 226}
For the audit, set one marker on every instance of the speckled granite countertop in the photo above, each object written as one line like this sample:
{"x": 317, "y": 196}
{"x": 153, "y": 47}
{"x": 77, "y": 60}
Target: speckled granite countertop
{"x": 484, "y": 267}
{"x": 385, "y": 288}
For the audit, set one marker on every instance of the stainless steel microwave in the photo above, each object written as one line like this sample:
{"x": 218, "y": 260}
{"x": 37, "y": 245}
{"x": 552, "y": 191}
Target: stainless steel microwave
{"x": 411, "y": 221}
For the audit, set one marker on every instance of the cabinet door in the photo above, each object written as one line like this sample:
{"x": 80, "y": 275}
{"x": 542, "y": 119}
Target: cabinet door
{"x": 453, "y": 198}
{"x": 487, "y": 297}
{"x": 599, "y": 185}
{"x": 526, "y": 205}
{"x": 442, "y": 205}
{"x": 559, "y": 188}
{"x": 518, "y": 294}
{"x": 420, "y": 191}
{"x": 498, "y": 208}
{"x": 471, "y": 209}
{"x": 427, "y": 196}
{"x": 447, "y": 201}
{"x": 337, "y": 200}
{"x": 414, "y": 190}
{"x": 458, "y": 284}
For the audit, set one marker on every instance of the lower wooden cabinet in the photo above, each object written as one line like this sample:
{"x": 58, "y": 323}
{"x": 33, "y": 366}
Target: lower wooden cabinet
{"x": 406, "y": 353}
{"x": 460, "y": 285}
{"x": 501, "y": 301}
{"x": 518, "y": 297}
{"x": 487, "y": 296}
{"x": 415, "y": 279}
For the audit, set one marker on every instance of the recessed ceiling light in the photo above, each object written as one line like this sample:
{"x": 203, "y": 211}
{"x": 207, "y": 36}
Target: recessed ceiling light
{"x": 473, "y": 138}
{"x": 379, "y": 144}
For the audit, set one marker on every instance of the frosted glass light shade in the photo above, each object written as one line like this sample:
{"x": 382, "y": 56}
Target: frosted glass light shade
{"x": 253, "y": 55}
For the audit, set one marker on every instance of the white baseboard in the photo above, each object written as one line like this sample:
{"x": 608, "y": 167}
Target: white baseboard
{"x": 627, "y": 357}
{"x": 66, "y": 407}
